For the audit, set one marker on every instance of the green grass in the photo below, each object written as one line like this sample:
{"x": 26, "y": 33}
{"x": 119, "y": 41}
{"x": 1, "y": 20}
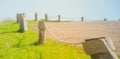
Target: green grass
{"x": 17, "y": 45}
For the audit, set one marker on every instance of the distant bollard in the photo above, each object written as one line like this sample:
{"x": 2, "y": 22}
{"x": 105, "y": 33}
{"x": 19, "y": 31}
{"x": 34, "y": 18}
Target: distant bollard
{"x": 18, "y": 18}
{"x": 36, "y": 16}
{"x": 42, "y": 33}
{"x": 82, "y": 19}
{"x": 46, "y": 17}
{"x": 100, "y": 48}
{"x": 58, "y": 18}
{"x": 105, "y": 19}
{"x": 23, "y": 23}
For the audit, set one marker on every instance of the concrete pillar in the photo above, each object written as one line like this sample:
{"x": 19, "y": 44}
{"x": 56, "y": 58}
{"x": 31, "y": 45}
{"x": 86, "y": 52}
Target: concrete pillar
{"x": 100, "y": 48}
{"x": 36, "y": 16}
{"x": 82, "y": 19}
{"x": 105, "y": 19}
{"x": 58, "y": 18}
{"x": 42, "y": 33}
{"x": 46, "y": 17}
{"x": 23, "y": 23}
{"x": 18, "y": 18}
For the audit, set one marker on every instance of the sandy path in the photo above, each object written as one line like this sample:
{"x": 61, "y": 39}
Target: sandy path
{"x": 79, "y": 31}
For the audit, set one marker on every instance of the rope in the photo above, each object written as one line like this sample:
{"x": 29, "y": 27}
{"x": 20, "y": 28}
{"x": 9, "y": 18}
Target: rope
{"x": 57, "y": 38}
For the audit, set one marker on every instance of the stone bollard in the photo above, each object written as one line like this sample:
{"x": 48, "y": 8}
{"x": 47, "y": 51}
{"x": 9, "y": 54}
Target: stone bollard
{"x": 100, "y": 48}
{"x": 42, "y": 33}
{"x": 36, "y": 16}
{"x": 23, "y": 23}
{"x": 46, "y": 17}
{"x": 82, "y": 19}
{"x": 105, "y": 19}
{"x": 18, "y": 18}
{"x": 58, "y": 18}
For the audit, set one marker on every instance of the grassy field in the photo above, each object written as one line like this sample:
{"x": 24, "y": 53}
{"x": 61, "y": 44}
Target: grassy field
{"x": 17, "y": 45}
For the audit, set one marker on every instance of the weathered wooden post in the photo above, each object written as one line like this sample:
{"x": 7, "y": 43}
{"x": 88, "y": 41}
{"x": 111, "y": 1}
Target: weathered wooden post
{"x": 58, "y": 18}
{"x": 23, "y": 23}
{"x": 46, "y": 17}
{"x": 42, "y": 33}
{"x": 105, "y": 19}
{"x": 100, "y": 48}
{"x": 82, "y": 19}
{"x": 18, "y": 18}
{"x": 36, "y": 16}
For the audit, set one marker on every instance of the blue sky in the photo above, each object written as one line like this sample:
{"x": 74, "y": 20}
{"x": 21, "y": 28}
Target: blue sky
{"x": 68, "y": 9}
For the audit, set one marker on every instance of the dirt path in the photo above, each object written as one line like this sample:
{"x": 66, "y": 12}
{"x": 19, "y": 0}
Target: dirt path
{"x": 79, "y": 31}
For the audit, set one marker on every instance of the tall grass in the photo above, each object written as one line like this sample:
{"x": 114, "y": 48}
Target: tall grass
{"x": 17, "y": 45}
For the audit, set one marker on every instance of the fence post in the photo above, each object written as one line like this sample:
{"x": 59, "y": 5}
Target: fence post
{"x": 36, "y": 16}
{"x": 23, "y": 23}
{"x": 100, "y": 48}
{"x": 82, "y": 19}
{"x": 58, "y": 18}
{"x": 46, "y": 17}
{"x": 18, "y": 17}
{"x": 42, "y": 33}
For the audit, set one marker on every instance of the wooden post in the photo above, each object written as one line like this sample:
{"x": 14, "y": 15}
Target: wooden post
{"x": 105, "y": 19}
{"x": 58, "y": 18}
{"x": 82, "y": 19}
{"x": 42, "y": 28}
{"x": 18, "y": 18}
{"x": 100, "y": 48}
{"x": 23, "y": 24}
{"x": 36, "y": 16}
{"x": 46, "y": 17}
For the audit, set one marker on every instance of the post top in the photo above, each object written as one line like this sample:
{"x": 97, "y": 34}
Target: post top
{"x": 41, "y": 25}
